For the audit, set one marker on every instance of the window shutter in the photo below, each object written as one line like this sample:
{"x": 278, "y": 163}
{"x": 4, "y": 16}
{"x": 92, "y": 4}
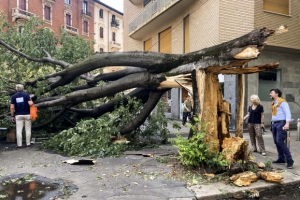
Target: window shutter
{"x": 186, "y": 22}
{"x": 85, "y": 26}
{"x": 22, "y": 4}
{"x": 165, "y": 41}
{"x": 148, "y": 45}
{"x": 113, "y": 36}
{"x": 68, "y": 19}
{"x": 277, "y": 6}
{"x": 47, "y": 13}
{"x": 101, "y": 32}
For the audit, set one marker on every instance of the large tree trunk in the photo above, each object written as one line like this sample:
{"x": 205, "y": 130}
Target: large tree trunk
{"x": 240, "y": 105}
{"x": 152, "y": 71}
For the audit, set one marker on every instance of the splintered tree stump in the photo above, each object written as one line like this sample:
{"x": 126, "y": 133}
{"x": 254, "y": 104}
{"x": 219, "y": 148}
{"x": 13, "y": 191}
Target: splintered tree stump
{"x": 235, "y": 148}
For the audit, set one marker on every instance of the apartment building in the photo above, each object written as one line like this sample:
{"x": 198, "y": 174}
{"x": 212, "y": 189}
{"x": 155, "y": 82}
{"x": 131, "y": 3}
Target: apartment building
{"x": 108, "y": 28}
{"x": 181, "y": 26}
{"x": 75, "y": 16}
{"x": 108, "y": 31}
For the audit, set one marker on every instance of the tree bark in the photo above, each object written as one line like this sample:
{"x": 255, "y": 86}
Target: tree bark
{"x": 240, "y": 105}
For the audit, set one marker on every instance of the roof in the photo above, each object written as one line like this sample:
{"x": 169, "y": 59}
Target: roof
{"x": 107, "y": 6}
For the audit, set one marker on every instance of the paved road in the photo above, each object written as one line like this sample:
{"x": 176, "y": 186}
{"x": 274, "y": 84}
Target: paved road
{"x": 132, "y": 177}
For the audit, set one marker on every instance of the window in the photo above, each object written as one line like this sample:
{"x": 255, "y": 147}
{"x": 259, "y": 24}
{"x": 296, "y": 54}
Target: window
{"x": 101, "y": 13}
{"x": 101, "y": 50}
{"x": 85, "y": 7}
{"x": 68, "y": 1}
{"x": 148, "y": 45}
{"x": 85, "y": 26}
{"x": 22, "y": 4}
{"x": 47, "y": 10}
{"x": 268, "y": 80}
{"x": 277, "y": 6}
{"x": 68, "y": 19}
{"x": 101, "y": 32}
{"x": 165, "y": 41}
{"x": 113, "y": 36}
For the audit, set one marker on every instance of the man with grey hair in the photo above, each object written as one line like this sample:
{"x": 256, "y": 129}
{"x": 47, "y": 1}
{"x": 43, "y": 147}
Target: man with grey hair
{"x": 20, "y": 113}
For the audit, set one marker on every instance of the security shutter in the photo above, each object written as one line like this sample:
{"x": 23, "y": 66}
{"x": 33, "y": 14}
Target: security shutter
{"x": 186, "y": 23}
{"x": 278, "y": 6}
{"x": 165, "y": 41}
{"x": 148, "y": 45}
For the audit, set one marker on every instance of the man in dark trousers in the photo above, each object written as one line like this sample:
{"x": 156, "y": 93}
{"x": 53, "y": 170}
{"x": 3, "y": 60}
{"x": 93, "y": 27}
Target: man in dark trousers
{"x": 20, "y": 113}
{"x": 281, "y": 118}
{"x": 187, "y": 109}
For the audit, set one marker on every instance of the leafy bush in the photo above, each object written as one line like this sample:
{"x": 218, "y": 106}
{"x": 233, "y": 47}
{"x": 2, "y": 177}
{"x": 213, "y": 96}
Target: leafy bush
{"x": 93, "y": 137}
{"x": 196, "y": 151}
{"x": 155, "y": 129}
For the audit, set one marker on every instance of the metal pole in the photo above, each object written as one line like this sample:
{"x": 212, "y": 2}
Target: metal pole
{"x": 298, "y": 130}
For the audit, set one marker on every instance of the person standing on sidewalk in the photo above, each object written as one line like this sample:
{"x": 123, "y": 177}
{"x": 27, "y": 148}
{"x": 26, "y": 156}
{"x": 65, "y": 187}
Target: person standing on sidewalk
{"x": 255, "y": 124}
{"x": 281, "y": 118}
{"x": 187, "y": 108}
{"x": 20, "y": 113}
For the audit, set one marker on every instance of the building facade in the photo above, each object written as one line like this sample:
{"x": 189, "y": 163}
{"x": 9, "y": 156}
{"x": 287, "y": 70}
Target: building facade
{"x": 108, "y": 28}
{"x": 181, "y": 26}
{"x": 75, "y": 16}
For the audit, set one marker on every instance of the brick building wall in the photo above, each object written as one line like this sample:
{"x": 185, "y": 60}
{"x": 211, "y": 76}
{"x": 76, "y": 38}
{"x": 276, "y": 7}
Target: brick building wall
{"x": 236, "y": 18}
{"x": 58, "y": 11}
{"x": 272, "y": 20}
{"x": 131, "y": 11}
{"x": 217, "y": 21}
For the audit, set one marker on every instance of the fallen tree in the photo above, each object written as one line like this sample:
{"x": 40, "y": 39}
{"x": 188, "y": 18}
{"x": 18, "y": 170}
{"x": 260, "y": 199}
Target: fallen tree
{"x": 149, "y": 75}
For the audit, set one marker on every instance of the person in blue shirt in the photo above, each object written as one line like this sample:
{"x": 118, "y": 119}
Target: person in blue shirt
{"x": 281, "y": 118}
{"x": 20, "y": 113}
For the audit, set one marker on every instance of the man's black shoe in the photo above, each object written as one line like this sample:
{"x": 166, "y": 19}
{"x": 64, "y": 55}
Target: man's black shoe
{"x": 278, "y": 161}
{"x": 290, "y": 164}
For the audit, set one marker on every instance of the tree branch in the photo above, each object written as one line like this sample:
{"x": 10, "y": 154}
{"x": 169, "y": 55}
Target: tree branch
{"x": 144, "y": 79}
{"x": 140, "y": 93}
{"x": 145, "y": 112}
{"x": 47, "y": 59}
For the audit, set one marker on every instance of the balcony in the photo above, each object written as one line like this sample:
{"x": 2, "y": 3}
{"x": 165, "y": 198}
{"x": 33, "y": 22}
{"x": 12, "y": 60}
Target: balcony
{"x": 155, "y": 14}
{"x": 114, "y": 26}
{"x": 70, "y": 29}
{"x": 136, "y": 2}
{"x": 114, "y": 44}
{"x": 17, "y": 13}
{"x": 85, "y": 12}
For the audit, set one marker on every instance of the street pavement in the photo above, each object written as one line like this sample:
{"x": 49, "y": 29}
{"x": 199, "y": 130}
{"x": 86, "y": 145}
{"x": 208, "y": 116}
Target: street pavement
{"x": 134, "y": 176}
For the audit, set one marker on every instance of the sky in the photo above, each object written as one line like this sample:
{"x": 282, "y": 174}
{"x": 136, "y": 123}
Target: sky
{"x": 116, "y": 4}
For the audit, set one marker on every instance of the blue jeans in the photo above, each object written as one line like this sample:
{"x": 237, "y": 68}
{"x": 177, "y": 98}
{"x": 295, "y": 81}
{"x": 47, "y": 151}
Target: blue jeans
{"x": 279, "y": 136}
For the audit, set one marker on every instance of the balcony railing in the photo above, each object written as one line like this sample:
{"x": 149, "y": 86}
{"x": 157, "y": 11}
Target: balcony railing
{"x": 146, "y": 14}
{"x": 70, "y": 29}
{"x": 114, "y": 25}
{"x": 19, "y": 13}
{"x": 85, "y": 12}
{"x": 115, "y": 44}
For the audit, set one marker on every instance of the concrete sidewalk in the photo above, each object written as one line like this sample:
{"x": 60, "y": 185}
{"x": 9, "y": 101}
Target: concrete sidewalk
{"x": 135, "y": 177}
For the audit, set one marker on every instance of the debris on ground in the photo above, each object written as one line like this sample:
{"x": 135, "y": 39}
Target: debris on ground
{"x": 80, "y": 162}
